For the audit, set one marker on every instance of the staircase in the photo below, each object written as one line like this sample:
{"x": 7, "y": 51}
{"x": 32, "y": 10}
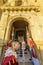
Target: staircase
{"x": 26, "y": 59}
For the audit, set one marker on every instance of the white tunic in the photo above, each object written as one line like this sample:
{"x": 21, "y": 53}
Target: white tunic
{"x": 10, "y": 52}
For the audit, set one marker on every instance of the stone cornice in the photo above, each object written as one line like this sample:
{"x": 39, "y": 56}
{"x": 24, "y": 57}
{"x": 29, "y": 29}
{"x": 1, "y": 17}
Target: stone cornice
{"x": 21, "y": 8}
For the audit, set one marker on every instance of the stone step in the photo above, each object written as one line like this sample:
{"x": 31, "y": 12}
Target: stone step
{"x": 26, "y": 63}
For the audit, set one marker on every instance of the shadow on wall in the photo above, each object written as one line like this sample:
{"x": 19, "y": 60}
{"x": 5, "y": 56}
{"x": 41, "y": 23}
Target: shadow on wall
{"x": 2, "y": 46}
{"x": 2, "y": 49}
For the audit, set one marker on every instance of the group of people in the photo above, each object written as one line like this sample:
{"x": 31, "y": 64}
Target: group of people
{"x": 10, "y": 56}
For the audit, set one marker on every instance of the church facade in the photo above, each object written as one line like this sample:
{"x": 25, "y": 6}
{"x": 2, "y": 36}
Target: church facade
{"x": 25, "y": 16}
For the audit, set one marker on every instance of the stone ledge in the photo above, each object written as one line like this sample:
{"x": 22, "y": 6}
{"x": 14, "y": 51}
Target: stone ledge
{"x": 21, "y": 8}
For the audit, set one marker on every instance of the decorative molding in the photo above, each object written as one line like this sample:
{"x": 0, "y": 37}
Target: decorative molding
{"x": 21, "y": 8}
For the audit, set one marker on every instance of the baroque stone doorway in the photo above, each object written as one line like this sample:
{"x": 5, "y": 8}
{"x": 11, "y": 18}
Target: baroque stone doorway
{"x": 19, "y": 28}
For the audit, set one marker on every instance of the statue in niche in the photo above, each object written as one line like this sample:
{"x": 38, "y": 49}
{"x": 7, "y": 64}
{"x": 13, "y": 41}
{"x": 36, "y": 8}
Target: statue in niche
{"x": 18, "y": 2}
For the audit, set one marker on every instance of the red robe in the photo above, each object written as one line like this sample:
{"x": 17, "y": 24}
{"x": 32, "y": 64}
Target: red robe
{"x": 10, "y": 59}
{"x": 31, "y": 43}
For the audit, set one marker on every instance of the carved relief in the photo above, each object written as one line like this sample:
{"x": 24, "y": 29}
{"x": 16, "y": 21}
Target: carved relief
{"x": 22, "y": 2}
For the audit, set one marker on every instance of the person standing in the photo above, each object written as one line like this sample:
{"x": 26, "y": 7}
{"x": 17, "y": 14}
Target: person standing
{"x": 10, "y": 56}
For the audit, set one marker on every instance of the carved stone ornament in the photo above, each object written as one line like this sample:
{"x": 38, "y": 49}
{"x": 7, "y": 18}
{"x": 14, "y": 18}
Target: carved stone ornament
{"x": 18, "y": 2}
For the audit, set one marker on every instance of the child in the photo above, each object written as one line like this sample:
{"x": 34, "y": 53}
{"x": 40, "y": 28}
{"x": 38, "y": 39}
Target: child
{"x": 10, "y": 54}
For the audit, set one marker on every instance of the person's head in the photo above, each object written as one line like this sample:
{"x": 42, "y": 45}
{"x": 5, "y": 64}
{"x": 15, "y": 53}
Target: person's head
{"x": 21, "y": 38}
{"x": 15, "y": 45}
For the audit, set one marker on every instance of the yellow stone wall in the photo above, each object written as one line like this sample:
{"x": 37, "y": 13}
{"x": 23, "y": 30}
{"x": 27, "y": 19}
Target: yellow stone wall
{"x": 1, "y": 2}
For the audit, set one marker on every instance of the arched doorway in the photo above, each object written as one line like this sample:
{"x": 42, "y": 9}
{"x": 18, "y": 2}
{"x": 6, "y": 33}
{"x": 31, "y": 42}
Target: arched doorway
{"x": 21, "y": 24}
{"x": 19, "y": 28}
